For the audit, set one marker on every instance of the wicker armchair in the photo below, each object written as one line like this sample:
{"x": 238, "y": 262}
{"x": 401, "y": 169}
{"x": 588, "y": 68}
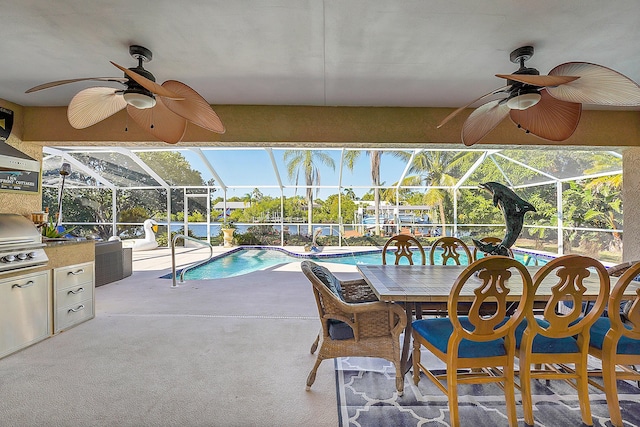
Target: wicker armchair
{"x": 354, "y": 322}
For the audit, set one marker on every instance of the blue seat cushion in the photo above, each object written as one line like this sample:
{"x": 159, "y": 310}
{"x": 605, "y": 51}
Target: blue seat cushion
{"x": 599, "y": 329}
{"x": 438, "y": 331}
{"x": 543, "y": 344}
{"x": 329, "y": 280}
{"x": 339, "y": 330}
{"x": 587, "y": 306}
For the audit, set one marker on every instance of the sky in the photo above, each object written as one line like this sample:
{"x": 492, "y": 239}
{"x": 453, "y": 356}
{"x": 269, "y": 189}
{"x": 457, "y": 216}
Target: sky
{"x": 253, "y": 168}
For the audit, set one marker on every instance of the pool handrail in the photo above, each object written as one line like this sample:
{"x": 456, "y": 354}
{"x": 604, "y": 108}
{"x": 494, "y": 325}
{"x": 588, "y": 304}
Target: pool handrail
{"x": 189, "y": 267}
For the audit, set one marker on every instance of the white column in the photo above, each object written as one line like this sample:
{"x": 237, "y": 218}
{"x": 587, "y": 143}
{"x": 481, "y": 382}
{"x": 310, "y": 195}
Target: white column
{"x": 560, "y": 208}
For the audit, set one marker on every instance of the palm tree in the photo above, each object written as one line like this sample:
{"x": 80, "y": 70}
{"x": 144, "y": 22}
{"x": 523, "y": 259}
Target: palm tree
{"x": 375, "y": 156}
{"x": 257, "y": 194}
{"x": 609, "y": 188}
{"x": 248, "y": 198}
{"x": 348, "y": 192}
{"x": 307, "y": 162}
{"x": 433, "y": 168}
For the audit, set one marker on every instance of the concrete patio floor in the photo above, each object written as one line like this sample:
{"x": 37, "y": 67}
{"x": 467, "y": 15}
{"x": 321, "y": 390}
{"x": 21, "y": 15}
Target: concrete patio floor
{"x": 226, "y": 352}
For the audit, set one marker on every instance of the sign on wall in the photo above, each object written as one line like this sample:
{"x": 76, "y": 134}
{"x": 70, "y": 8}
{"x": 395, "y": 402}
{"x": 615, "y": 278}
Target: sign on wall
{"x": 20, "y": 181}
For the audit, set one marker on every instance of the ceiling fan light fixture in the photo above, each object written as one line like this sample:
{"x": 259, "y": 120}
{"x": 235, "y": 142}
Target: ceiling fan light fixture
{"x": 524, "y": 101}
{"x": 139, "y": 100}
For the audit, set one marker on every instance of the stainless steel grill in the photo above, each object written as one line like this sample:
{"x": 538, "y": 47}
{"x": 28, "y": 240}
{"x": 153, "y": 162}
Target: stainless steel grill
{"x": 21, "y": 244}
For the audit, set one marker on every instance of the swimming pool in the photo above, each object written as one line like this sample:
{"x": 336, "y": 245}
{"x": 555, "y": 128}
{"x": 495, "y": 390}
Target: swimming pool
{"x": 246, "y": 260}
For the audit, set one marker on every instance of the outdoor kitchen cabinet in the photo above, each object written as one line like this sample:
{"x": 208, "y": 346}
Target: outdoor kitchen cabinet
{"x": 24, "y": 311}
{"x": 73, "y": 295}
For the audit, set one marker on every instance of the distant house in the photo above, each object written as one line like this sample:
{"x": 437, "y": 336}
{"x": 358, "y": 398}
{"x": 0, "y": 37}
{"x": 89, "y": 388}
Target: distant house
{"x": 231, "y": 206}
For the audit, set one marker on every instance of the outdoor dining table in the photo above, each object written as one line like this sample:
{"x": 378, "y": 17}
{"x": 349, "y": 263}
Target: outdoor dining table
{"x": 429, "y": 286}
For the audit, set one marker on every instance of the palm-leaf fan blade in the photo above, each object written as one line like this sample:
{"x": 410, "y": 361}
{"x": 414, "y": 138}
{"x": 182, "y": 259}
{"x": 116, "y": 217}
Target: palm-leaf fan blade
{"x": 147, "y": 84}
{"x": 193, "y": 108}
{"x": 550, "y": 118}
{"x": 483, "y": 120}
{"x": 64, "y": 82}
{"x": 597, "y": 85}
{"x": 93, "y": 105}
{"x": 454, "y": 113}
{"x": 536, "y": 80}
{"x": 159, "y": 121}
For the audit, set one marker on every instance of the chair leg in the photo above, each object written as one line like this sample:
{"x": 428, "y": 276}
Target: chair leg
{"x": 452, "y": 391}
{"x": 510, "y": 394}
{"x": 399, "y": 378}
{"x": 611, "y": 390}
{"x": 312, "y": 375}
{"x": 314, "y": 346}
{"x": 525, "y": 391}
{"x": 582, "y": 383}
{"x": 416, "y": 361}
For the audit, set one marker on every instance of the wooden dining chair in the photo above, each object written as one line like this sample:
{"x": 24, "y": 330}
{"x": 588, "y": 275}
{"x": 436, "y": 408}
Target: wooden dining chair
{"x": 452, "y": 249}
{"x": 474, "y": 346}
{"x": 488, "y": 239}
{"x": 617, "y": 344}
{"x": 404, "y": 248}
{"x": 557, "y": 339}
{"x": 354, "y": 322}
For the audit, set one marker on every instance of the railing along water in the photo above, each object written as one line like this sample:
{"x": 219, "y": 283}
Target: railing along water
{"x": 189, "y": 267}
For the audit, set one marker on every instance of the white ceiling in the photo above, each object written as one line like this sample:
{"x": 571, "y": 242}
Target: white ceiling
{"x": 434, "y": 53}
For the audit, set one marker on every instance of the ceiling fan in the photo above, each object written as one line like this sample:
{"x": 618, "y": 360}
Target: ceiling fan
{"x": 162, "y": 110}
{"x": 547, "y": 106}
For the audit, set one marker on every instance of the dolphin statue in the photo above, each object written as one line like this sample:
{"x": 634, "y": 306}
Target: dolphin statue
{"x": 513, "y": 209}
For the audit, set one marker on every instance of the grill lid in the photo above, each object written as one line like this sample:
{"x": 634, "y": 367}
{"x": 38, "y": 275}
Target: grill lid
{"x": 17, "y": 231}
{"x": 21, "y": 244}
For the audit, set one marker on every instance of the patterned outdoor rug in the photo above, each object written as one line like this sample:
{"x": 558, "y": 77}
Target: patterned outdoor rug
{"x": 367, "y": 398}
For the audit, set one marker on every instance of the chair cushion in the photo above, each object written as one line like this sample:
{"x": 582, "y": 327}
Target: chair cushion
{"x": 438, "y": 331}
{"x": 587, "y": 306}
{"x": 599, "y": 329}
{"x": 329, "y": 280}
{"x": 543, "y": 344}
{"x": 339, "y": 330}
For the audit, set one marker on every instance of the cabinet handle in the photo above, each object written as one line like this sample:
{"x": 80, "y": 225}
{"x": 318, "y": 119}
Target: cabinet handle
{"x": 75, "y": 273}
{"x": 78, "y": 308}
{"x": 77, "y": 291}
{"x": 26, "y": 285}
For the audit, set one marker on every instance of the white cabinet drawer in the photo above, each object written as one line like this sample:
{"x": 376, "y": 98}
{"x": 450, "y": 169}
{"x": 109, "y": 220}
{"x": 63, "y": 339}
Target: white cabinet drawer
{"x": 73, "y": 275}
{"x": 73, "y": 295}
{"x": 69, "y": 316}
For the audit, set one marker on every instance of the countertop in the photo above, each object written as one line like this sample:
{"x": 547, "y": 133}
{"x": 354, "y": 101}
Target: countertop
{"x": 53, "y": 242}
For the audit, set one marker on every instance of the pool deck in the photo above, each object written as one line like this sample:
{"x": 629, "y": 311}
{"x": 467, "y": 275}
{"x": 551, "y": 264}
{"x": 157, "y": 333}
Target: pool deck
{"x": 224, "y": 352}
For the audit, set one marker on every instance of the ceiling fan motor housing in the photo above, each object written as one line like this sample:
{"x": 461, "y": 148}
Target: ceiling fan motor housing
{"x": 136, "y": 95}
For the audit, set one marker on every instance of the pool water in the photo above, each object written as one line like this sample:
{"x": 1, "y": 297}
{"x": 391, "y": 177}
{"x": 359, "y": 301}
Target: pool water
{"x": 245, "y": 261}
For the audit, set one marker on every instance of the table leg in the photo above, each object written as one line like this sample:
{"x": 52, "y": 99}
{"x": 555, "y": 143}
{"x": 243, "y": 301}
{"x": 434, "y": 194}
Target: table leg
{"x": 406, "y": 360}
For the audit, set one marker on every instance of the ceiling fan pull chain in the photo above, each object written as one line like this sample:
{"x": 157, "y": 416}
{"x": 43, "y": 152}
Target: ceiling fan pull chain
{"x": 152, "y": 118}
{"x": 126, "y": 123}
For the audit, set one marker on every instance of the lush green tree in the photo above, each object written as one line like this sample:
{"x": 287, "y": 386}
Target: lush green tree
{"x": 172, "y": 167}
{"x": 95, "y": 204}
{"x": 328, "y": 212}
